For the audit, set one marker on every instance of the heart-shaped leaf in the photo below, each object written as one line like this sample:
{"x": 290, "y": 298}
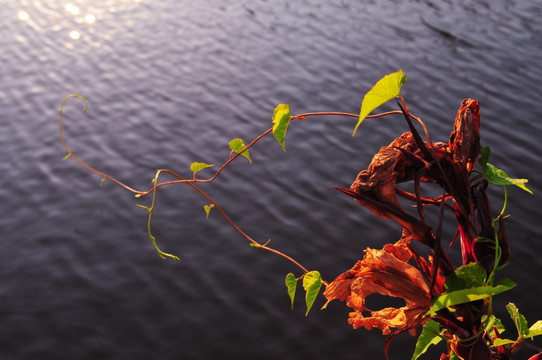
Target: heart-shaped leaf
{"x": 281, "y": 120}
{"x": 291, "y": 284}
{"x": 312, "y": 281}
{"x": 385, "y": 89}
{"x": 207, "y": 209}
{"x": 197, "y": 166}
{"x": 238, "y": 145}
{"x": 499, "y": 177}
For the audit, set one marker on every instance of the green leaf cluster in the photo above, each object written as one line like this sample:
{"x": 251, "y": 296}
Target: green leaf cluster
{"x": 466, "y": 284}
{"x": 312, "y": 282}
{"x": 524, "y": 331}
{"x": 468, "y": 295}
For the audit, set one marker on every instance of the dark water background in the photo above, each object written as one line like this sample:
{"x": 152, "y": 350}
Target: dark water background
{"x": 171, "y": 82}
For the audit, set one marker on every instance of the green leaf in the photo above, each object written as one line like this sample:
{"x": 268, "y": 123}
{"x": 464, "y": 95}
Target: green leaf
{"x": 143, "y": 207}
{"x": 474, "y": 274}
{"x": 535, "y": 329}
{"x": 384, "y": 90}
{"x": 465, "y": 277}
{"x": 207, "y": 209}
{"x": 259, "y": 246}
{"x": 237, "y": 145}
{"x": 519, "y": 320}
{"x": 521, "y": 323}
{"x": 291, "y": 284}
{"x": 493, "y": 321}
{"x": 197, "y": 166}
{"x": 454, "y": 356}
{"x": 484, "y": 155}
{"x": 467, "y": 295}
{"x": 499, "y": 177}
{"x": 281, "y": 120}
{"x": 430, "y": 335}
{"x": 312, "y": 281}
{"x": 500, "y": 342}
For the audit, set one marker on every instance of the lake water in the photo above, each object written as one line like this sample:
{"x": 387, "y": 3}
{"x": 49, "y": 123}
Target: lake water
{"x": 172, "y": 82}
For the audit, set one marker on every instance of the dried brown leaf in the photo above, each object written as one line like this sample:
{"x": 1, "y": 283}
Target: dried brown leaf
{"x": 386, "y": 272}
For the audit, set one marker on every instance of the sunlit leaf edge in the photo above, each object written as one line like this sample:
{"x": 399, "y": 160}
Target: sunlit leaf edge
{"x": 384, "y": 90}
{"x": 497, "y": 176}
{"x": 238, "y": 145}
{"x": 197, "y": 166}
{"x": 207, "y": 209}
{"x": 518, "y": 318}
{"x": 291, "y": 285}
{"x": 429, "y": 336}
{"x": 281, "y": 120}
{"x": 469, "y": 295}
{"x": 312, "y": 282}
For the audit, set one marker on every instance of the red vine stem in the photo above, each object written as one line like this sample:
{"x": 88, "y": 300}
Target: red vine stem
{"x": 223, "y": 213}
{"x": 194, "y": 180}
{"x": 297, "y": 117}
{"x": 303, "y": 116}
{"x": 183, "y": 180}
{"x": 71, "y": 154}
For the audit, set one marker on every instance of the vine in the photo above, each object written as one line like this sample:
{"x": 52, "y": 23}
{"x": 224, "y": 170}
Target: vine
{"x": 450, "y": 304}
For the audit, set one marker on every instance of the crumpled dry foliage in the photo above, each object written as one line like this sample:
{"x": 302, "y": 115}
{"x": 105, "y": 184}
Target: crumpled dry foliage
{"x": 465, "y": 137}
{"x": 375, "y": 187}
{"x": 389, "y": 167}
{"x": 403, "y": 160}
{"x": 385, "y": 272}
{"x": 388, "y": 271}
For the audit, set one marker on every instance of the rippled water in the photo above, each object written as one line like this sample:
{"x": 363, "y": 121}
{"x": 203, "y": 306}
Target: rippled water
{"x": 171, "y": 82}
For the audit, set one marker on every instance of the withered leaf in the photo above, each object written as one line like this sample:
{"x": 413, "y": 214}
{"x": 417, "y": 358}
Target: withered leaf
{"x": 386, "y": 272}
{"x": 465, "y": 137}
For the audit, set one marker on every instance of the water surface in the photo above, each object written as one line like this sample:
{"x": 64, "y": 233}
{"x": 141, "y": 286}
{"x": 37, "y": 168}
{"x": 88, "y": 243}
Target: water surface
{"x": 171, "y": 82}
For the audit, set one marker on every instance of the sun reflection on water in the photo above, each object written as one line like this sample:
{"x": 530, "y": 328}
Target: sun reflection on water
{"x": 90, "y": 18}
{"x": 23, "y": 15}
{"x": 75, "y": 35}
{"x": 72, "y": 9}
{"x": 74, "y": 17}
